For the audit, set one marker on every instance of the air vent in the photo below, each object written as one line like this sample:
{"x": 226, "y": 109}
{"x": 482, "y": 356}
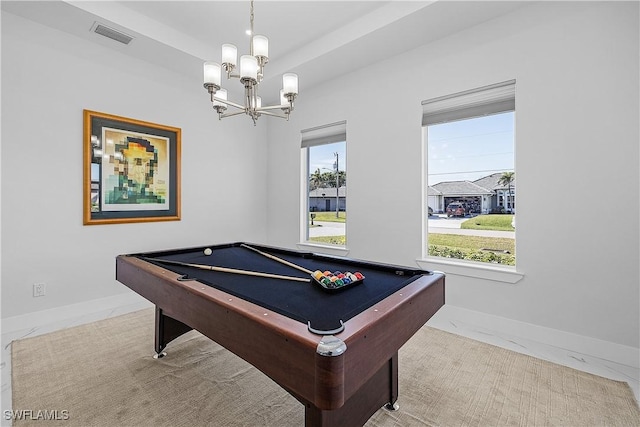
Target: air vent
{"x": 116, "y": 35}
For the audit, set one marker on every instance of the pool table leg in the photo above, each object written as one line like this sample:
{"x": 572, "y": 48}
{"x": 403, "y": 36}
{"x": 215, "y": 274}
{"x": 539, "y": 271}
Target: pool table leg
{"x": 381, "y": 390}
{"x": 392, "y": 404}
{"x": 167, "y": 329}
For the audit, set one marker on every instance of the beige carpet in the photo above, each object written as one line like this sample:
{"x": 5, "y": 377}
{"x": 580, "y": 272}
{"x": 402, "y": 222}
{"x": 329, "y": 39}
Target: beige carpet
{"x": 102, "y": 374}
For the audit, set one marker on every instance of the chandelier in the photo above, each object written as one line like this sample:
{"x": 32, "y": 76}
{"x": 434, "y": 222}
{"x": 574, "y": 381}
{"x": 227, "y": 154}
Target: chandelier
{"x": 250, "y": 73}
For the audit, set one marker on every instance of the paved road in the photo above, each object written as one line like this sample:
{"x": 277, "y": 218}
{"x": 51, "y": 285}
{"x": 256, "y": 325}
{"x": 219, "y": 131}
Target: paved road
{"x": 444, "y": 225}
{"x": 437, "y": 224}
{"x": 326, "y": 229}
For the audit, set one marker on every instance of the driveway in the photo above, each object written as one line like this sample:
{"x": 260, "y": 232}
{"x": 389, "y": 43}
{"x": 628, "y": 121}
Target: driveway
{"x": 326, "y": 229}
{"x": 444, "y": 222}
{"x": 437, "y": 224}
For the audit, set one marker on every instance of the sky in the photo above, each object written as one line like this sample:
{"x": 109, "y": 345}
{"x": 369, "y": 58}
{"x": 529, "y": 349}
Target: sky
{"x": 470, "y": 149}
{"x": 322, "y": 157}
{"x": 461, "y": 150}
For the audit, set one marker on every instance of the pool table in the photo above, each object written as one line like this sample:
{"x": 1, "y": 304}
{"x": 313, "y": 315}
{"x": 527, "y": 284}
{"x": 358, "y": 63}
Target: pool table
{"x": 334, "y": 350}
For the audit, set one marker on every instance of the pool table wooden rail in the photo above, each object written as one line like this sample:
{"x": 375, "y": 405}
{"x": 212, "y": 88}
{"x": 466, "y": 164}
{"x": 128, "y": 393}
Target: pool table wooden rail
{"x": 334, "y": 389}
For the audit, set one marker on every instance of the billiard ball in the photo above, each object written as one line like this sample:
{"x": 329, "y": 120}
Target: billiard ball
{"x": 208, "y": 251}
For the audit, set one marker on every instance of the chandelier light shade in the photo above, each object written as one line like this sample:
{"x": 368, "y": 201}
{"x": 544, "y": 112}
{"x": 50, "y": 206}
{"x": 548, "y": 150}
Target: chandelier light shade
{"x": 250, "y": 72}
{"x": 260, "y": 46}
{"x": 229, "y": 54}
{"x": 248, "y": 67}
{"x": 290, "y": 83}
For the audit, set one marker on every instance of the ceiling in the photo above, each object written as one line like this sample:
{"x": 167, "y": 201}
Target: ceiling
{"x": 319, "y": 40}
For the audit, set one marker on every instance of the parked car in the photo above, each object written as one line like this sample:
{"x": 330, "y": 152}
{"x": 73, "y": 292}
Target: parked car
{"x": 430, "y": 210}
{"x": 455, "y": 209}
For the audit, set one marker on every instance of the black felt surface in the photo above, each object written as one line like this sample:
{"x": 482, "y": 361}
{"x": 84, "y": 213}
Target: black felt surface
{"x": 305, "y": 302}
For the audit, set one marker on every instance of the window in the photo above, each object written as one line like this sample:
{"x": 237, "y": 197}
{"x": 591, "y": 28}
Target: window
{"x": 470, "y": 184}
{"x": 325, "y": 181}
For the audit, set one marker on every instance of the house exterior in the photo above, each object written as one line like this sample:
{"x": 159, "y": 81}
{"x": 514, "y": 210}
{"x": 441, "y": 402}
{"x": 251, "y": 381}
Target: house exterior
{"x": 484, "y": 195}
{"x": 323, "y": 199}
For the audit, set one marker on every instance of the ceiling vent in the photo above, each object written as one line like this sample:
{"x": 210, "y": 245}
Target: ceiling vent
{"x": 116, "y": 35}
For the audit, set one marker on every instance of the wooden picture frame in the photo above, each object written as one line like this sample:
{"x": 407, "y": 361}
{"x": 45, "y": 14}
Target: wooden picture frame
{"x": 131, "y": 170}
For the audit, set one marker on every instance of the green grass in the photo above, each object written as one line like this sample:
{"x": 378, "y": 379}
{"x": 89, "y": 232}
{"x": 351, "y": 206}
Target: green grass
{"x": 329, "y": 216}
{"x": 331, "y": 240}
{"x": 474, "y": 243}
{"x": 473, "y": 248}
{"x": 495, "y": 250}
{"x": 489, "y": 222}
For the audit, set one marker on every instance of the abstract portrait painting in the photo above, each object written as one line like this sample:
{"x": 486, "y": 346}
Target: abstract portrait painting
{"x": 131, "y": 170}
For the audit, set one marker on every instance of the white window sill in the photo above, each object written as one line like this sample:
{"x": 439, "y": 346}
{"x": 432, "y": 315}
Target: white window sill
{"x": 478, "y": 270}
{"x": 325, "y": 249}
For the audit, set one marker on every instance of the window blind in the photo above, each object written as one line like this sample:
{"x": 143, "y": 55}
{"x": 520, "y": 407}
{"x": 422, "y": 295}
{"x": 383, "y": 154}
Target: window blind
{"x": 493, "y": 99}
{"x": 326, "y": 134}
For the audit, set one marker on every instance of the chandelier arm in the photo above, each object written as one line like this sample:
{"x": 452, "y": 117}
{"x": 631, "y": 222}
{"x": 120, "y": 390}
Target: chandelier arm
{"x": 227, "y": 102}
{"x": 269, "y": 113}
{"x": 236, "y": 113}
{"x": 272, "y": 107}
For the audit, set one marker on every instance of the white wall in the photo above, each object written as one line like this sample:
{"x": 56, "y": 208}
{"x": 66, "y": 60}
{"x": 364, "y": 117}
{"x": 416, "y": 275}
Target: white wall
{"x": 576, "y": 67}
{"x": 48, "y": 78}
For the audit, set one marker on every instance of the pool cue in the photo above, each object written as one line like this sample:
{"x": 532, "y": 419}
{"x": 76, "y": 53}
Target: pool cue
{"x": 280, "y": 260}
{"x": 229, "y": 270}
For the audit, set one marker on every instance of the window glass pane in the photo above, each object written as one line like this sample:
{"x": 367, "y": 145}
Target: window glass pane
{"x": 471, "y": 189}
{"x": 327, "y": 195}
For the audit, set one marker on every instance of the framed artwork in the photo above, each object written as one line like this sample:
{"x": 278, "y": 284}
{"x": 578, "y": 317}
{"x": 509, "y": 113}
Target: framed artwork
{"x": 131, "y": 170}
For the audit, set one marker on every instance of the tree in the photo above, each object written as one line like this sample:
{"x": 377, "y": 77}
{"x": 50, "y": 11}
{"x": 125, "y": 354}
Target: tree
{"x": 326, "y": 179}
{"x": 316, "y": 180}
{"x": 507, "y": 179}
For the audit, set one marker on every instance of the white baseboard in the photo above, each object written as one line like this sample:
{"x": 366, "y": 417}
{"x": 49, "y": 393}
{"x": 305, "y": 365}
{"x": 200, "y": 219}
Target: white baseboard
{"x": 449, "y": 318}
{"x": 121, "y": 303}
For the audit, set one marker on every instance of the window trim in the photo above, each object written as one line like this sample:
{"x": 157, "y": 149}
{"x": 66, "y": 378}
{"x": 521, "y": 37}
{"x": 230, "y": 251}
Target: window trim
{"x": 483, "y": 101}
{"x": 469, "y": 104}
{"x": 325, "y": 134}
{"x": 330, "y": 249}
{"x": 479, "y": 270}
{"x": 312, "y": 137}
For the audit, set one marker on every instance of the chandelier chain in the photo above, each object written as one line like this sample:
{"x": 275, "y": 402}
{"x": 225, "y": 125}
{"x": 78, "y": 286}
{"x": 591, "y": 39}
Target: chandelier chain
{"x": 251, "y": 28}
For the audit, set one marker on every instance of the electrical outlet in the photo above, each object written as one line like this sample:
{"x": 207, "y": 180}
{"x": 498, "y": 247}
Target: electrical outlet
{"x": 39, "y": 290}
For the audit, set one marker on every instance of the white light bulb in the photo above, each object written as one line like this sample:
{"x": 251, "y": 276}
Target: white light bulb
{"x": 229, "y": 54}
{"x": 260, "y": 46}
{"x": 249, "y": 67}
{"x": 212, "y": 73}
{"x": 290, "y": 83}
{"x": 222, "y": 94}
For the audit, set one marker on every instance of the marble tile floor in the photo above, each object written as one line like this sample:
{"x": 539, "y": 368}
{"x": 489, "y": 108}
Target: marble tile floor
{"x": 561, "y": 356}
{"x": 583, "y": 362}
